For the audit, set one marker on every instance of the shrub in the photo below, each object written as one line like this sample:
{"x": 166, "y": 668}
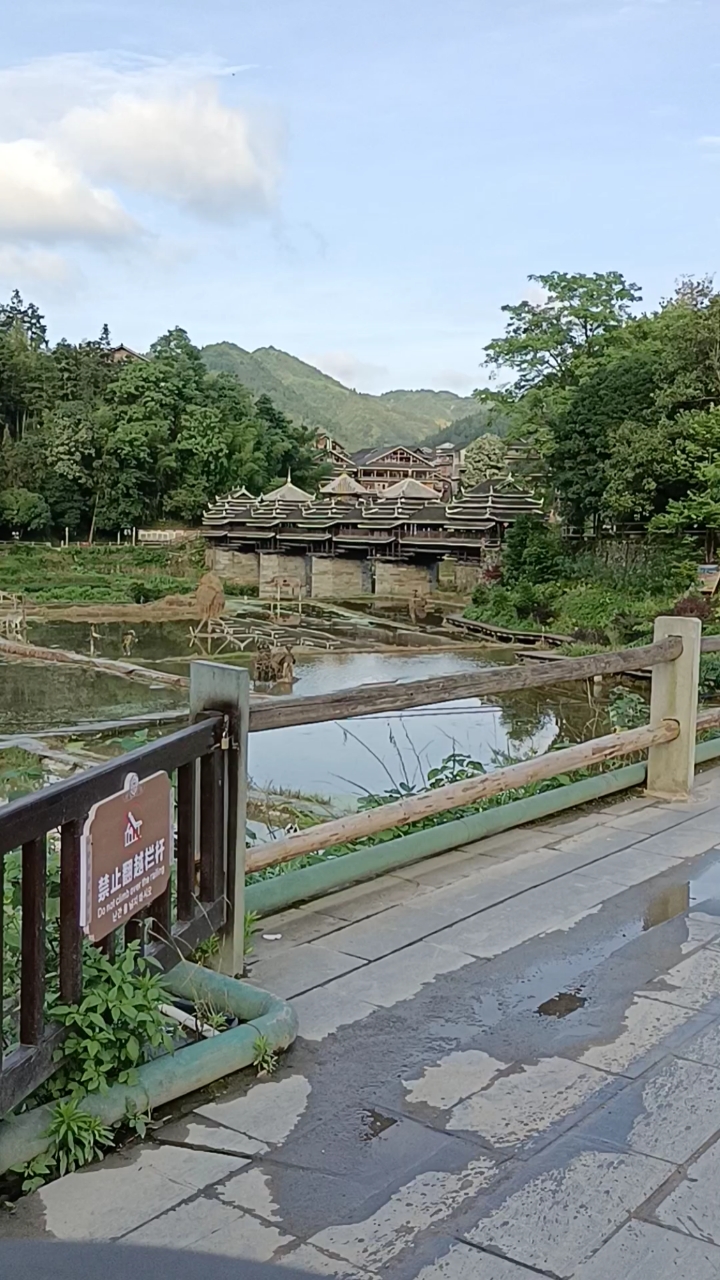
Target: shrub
{"x": 157, "y": 586}
{"x": 693, "y": 606}
{"x": 709, "y": 676}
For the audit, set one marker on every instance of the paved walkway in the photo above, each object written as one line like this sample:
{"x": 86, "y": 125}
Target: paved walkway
{"x": 509, "y": 1064}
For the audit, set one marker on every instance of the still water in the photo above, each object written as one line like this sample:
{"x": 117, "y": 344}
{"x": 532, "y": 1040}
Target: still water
{"x": 373, "y": 753}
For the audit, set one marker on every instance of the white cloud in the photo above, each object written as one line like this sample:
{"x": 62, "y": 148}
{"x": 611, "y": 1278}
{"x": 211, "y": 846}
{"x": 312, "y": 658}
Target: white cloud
{"x": 44, "y": 199}
{"x": 187, "y": 148}
{"x": 80, "y": 133}
{"x": 35, "y": 266}
{"x": 359, "y": 374}
{"x": 536, "y": 294}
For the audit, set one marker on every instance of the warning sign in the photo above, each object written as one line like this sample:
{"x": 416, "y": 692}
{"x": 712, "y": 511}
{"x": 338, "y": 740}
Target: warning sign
{"x": 127, "y": 852}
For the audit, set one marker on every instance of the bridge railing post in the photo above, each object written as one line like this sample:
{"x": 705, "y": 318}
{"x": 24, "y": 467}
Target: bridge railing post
{"x": 674, "y": 696}
{"x": 218, "y": 687}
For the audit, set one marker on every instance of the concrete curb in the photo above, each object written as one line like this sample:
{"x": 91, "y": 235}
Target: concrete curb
{"x": 164, "y": 1079}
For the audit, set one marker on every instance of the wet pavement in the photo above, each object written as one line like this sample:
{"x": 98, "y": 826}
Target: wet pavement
{"x": 508, "y": 1065}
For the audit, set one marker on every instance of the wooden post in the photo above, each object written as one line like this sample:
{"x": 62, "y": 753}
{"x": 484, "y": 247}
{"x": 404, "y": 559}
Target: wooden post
{"x": 216, "y": 687}
{"x": 674, "y": 696}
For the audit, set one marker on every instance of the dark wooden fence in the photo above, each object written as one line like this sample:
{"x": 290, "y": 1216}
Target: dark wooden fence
{"x": 180, "y": 920}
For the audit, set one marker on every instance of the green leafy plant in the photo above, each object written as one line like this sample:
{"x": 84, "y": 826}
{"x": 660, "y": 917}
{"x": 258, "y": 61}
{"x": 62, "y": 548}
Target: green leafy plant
{"x": 137, "y": 1121}
{"x": 709, "y": 686}
{"x": 76, "y": 1138}
{"x": 264, "y": 1058}
{"x": 115, "y": 1027}
{"x": 206, "y": 950}
{"x": 249, "y": 927}
{"x": 627, "y": 710}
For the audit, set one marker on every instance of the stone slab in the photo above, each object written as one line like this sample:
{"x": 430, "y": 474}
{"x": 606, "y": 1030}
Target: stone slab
{"x": 692, "y": 1207}
{"x": 651, "y": 1028}
{"x": 401, "y": 975}
{"x": 643, "y": 1251}
{"x": 268, "y": 1112}
{"x": 206, "y": 1135}
{"x": 684, "y": 841}
{"x": 361, "y": 900}
{"x": 466, "y": 1262}
{"x": 570, "y": 825}
{"x": 294, "y": 927}
{"x": 424, "y": 1202}
{"x": 694, "y": 983}
{"x": 301, "y": 968}
{"x": 443, "y": 869}
{"x": 619, "y": 807}
{"x": 211, "y": 1226}
{"x": 704, "y": 1047}
{"x": 393, "y": 929}
{"x": 668, "y": 1113}
{"x": 324, "y": 1011}
{"x": 518, "y": 1107}
{"x": 597, "y": 841}
{"x": 454, "y": 1077}
{"x": 509, "y": 844}
{"x": 305, "y": 1257}
{"x": 565, "y": 1211}
{"x": 651, "y": 821}
{"x": 538, "y": 911}
{"x": 128, "y": 1189}
{"x": 631, "y": 866}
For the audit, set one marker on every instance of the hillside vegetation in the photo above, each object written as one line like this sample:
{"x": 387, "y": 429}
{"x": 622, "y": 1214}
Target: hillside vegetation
{"x": 94, "y": 445}
{"x": 358, "y": 420}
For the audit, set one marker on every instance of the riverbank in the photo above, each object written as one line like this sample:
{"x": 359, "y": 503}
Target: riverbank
{"x": 104, "y": 574}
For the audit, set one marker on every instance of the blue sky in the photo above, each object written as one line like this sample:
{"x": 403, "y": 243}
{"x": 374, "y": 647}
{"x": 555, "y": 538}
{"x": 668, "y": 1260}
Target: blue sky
{"x": 363, "y": 184}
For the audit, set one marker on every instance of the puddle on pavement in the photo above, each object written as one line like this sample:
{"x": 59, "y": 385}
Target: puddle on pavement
{"x": 674, "y": 901}
{"x": 562, "y": 1004}
{"x": 375, "y": 1123}
{"x": 705, "y": 887}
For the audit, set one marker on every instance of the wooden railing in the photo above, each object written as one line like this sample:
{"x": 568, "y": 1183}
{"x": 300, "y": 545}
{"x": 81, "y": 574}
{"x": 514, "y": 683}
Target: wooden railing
{"x": 208, "y": 761}
{"x": 676, "y": 641}
{"x": 60, "y": 810}
{"x": 371, "y": 699}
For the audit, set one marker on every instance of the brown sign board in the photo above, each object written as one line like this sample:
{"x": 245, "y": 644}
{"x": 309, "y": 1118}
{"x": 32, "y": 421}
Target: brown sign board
{"x": 127, "y": 851}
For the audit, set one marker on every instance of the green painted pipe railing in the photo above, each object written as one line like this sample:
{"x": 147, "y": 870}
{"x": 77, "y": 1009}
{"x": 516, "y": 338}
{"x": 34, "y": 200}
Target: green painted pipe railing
{"x": 290, "y": 887}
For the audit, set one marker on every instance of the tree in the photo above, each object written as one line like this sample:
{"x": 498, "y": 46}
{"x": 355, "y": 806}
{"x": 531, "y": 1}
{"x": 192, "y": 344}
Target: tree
{"x": 23, "y": 512}
{"x": 17, "y": 314}
{"x": 485, "y": 458}
{"x": 620, "y": 386}
{"x": 544, "y": 341}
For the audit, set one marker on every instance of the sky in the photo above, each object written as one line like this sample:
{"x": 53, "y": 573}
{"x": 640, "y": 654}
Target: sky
{"x": 363, "y": 183}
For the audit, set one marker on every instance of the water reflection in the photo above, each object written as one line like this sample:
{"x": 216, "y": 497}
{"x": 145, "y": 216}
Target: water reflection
{"x": 370, "y": 754}
{"x": 672, "y": 902}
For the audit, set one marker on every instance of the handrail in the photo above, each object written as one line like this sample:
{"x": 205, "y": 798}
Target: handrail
{"x": 345, "y": 704}
{"x": 31, "y": 816}
{"x": 414, "y": 808}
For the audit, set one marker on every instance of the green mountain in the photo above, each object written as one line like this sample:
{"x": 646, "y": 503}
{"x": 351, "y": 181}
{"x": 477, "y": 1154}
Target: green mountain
{"x": 356, "y": 419}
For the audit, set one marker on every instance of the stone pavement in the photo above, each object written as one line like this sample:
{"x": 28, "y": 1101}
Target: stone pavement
{"x": 508, "y": 1065}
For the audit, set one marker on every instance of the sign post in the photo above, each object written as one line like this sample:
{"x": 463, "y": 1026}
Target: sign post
{"x": 127, "y": 849}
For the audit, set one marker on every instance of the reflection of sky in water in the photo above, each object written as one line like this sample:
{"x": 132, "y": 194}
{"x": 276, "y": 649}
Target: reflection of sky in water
{"x": 342, "y": 758}
{"x": 372, "y": 753}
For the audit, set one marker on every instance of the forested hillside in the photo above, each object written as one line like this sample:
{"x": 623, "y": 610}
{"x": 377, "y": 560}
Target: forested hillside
{"x": 93, "y": 445}
{"x": 356, "y": 419}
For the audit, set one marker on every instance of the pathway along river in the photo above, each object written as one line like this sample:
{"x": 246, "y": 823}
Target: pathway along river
{"x": 374, "y": 753}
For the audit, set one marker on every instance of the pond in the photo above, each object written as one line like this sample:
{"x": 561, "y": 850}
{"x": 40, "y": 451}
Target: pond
{"x": 373, "y": 753}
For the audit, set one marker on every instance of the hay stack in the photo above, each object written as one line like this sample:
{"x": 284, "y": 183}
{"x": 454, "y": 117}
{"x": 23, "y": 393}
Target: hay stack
{"x": 210, "y": 597}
